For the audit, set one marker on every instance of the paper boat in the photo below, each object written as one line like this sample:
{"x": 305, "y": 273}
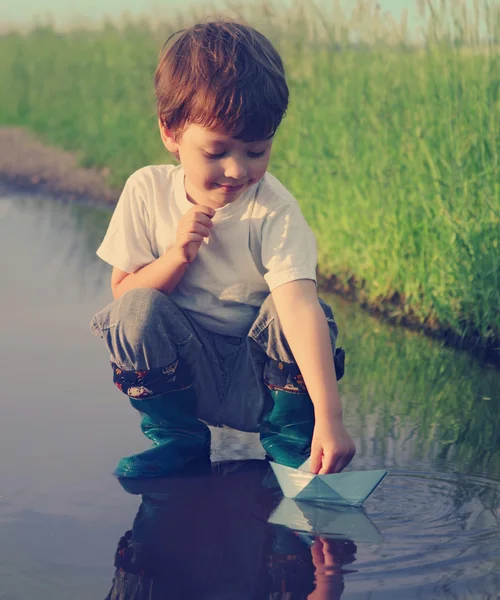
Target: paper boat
{"x": 336, "y": 521}
{"x": 351, "y": 488}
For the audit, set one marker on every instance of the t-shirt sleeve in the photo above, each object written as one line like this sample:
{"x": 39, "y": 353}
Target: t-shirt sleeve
{"x": 127, "y": 243}
{"x": 288, "y": 246}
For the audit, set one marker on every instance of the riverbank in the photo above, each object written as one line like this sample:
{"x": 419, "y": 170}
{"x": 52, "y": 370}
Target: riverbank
{"x": 392, "y": 309}
{"x": 28, "y": 164}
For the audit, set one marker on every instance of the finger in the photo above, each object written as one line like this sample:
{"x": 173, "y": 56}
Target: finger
{"x": 203, "y": 219}
{"x": 316, "y": 457}
{"x": 346, "y": 457}
{"x": 328, "y": 552}
{"x": 333, "y": 462}
{"x": 200, "y": 229}
{"x": 317, "y": 552}
{"x": 328, "y": 464}
{"x": 206, "y": 210}
{"x": 337, "y": 463}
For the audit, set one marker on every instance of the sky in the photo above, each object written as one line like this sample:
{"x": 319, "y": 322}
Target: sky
{"x": 24, "y": 12}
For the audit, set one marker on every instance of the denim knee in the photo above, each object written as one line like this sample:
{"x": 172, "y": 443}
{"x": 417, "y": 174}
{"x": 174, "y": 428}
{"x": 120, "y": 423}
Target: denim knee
{"x": 268, "y": 334}
{"x": 144, "y": 329}
{"x": 272, "y": 357}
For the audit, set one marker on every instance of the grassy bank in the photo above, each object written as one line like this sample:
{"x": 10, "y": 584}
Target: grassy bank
{"x": 392, "y": 149}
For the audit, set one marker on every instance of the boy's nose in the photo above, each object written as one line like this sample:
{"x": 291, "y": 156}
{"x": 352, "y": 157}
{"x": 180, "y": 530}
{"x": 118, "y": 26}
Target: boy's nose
{"x": 234, "y": 170}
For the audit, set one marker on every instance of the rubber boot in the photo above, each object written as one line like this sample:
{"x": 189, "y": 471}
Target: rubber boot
{"x": 287, "y": 426}
{"x": 168, "y": 420}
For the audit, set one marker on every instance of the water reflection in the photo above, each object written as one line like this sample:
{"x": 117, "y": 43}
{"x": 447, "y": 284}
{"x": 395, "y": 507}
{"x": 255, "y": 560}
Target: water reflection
{"x": 229, "y": 533}
{"x": 409, "y": 399}
{"x": 208, "y": 536}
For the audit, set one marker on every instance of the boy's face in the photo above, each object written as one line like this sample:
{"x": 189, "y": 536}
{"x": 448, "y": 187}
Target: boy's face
{"x": 218, "y": 168}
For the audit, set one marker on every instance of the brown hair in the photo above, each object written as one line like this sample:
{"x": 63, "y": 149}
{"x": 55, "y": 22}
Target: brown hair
{"x": 223, "y": 75}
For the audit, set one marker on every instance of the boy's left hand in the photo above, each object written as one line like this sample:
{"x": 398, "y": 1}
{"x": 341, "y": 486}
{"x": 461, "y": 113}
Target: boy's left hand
{"x": 332, "y": 448}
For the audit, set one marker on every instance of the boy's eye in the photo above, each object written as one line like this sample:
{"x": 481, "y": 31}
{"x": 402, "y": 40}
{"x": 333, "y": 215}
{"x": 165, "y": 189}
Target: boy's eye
{"x": 208, "y": 155}
{"x": 251, "y": 154}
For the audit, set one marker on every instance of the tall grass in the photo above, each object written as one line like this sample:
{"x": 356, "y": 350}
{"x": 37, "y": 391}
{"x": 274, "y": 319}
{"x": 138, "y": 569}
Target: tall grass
{"x": 391, "y": 142}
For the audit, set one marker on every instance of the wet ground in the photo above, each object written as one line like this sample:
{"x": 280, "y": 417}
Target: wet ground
{"x": 428, "y": 414}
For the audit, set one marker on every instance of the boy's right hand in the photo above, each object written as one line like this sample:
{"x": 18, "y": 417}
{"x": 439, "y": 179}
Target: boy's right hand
{"x": 193, "y": 227}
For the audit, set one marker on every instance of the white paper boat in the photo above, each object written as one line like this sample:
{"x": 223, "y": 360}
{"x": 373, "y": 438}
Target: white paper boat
{"x": 351, "y": 488}
{"x": 337, "y": 521}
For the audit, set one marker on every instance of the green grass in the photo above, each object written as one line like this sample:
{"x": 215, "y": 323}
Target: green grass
{"x": 392, "y": 150}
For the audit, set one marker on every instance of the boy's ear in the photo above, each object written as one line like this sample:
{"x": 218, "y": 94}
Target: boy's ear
{"x": 167, "y": 138}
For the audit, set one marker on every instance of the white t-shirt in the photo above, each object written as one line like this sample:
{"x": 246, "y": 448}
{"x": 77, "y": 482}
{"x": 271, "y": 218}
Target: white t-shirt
{"x": 257, "y": 243}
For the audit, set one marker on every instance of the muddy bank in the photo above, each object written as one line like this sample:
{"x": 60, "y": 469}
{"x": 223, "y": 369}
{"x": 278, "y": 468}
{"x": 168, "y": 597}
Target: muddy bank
{"x": 28, "y": 164}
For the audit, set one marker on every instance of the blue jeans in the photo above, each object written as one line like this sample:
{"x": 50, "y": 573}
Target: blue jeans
{"x": 144, "y": 329}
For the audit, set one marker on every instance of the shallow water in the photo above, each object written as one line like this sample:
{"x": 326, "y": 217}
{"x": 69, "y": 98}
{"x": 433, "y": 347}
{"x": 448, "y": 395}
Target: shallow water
{"x": 427, "y": 413}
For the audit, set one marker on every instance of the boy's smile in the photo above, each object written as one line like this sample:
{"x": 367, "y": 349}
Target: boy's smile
{"x": 231, "y": 188}
{"x": 218, "y": 168}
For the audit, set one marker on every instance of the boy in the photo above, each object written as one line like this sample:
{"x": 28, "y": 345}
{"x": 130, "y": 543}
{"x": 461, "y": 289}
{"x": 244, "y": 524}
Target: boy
{"x": 216, "y": 317}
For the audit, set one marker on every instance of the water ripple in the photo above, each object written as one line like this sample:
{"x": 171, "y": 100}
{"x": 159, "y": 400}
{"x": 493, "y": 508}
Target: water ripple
{"x": 439, "y": 529}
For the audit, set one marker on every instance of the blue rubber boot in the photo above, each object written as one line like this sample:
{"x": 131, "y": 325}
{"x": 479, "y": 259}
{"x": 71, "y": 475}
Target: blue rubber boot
{"x": 168, "y": 420}
{"x": 287, "y": 426}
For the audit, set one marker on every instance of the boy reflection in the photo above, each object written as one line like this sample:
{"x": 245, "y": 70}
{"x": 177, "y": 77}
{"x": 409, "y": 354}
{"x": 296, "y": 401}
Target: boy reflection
{"x": 206, "y": 537}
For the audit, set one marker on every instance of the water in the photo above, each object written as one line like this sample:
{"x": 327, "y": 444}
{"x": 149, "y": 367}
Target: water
{"x": 427, "y": 413}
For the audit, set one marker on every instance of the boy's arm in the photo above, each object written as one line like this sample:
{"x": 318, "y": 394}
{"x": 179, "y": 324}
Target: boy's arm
{"x": 306, "y": 330}
{"x": 163, "y": 274}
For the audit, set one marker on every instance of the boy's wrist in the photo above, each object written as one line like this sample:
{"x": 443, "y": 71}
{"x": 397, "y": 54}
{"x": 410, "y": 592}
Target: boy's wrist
{"x": 177, "y": 256}
{"x": 333, "y": 416}
{"x": 328, "y": 411}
